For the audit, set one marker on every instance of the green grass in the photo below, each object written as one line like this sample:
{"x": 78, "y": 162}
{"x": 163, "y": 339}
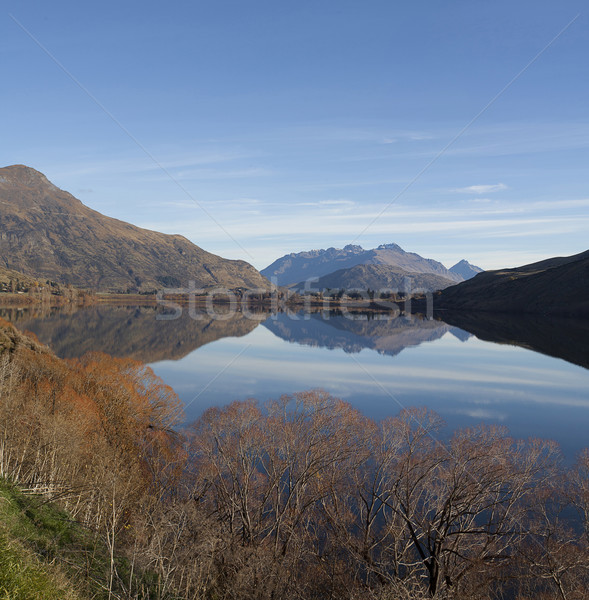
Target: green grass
{"x": 45, "y": 555}
{"x": 25, "y": 572}
{"x": 22, "y": 577}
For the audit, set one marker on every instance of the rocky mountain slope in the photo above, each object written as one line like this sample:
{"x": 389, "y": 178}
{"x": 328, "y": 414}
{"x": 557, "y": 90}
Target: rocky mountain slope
{"x": 378, "y": 277}
{"x": 296, "y": 267}
{"x": 46, "y": 233}
{"x": 557, "y": 286}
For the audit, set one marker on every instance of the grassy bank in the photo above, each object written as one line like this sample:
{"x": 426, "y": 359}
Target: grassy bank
{"x": 40, "y": 549}
{"x": 45, "y": 554}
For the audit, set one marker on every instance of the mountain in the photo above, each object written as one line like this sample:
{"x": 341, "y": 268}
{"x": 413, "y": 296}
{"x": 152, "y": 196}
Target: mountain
{"x": 386, "y": 336}
{"x": 465, "y": 270}
{"x": 293, "y": 268}
{"x": 378, "y": 277}
{"x": 46, "y": 233}
{"x": 558, "y": 286}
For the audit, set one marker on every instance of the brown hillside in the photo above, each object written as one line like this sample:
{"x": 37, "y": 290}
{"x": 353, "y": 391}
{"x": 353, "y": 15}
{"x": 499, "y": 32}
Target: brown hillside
{"x": 557, "y": 286}
{"x": 46, "y": 233}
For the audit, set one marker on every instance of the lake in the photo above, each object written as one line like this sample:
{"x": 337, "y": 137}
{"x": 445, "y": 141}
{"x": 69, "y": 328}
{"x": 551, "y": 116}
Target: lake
{"x": 528, "y": 374}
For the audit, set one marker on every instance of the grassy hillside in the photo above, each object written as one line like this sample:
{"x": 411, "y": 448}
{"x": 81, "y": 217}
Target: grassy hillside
{"x": 24, "y": 572}
{"x": 45, "y": 554}
{"x": 95, "y": 436}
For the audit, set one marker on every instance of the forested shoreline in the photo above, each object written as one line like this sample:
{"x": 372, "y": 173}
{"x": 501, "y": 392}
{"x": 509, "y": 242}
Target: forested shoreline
{"x": 300, "y": 497}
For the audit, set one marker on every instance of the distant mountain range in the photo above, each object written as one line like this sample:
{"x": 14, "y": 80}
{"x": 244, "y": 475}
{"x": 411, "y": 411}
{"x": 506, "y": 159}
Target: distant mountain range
{"x": 378, "y": 277}
{"x": 558, "y": 286}
{"x": 353, "y": 267}
{"x": 46, "y": 233}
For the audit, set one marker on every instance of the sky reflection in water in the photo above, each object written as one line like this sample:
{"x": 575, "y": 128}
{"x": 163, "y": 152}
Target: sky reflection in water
{"x": 466, "y": 382}
{"x": 379, "y": 366}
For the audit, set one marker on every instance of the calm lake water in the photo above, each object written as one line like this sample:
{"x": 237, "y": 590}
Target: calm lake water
{"x": 530, "y": 375}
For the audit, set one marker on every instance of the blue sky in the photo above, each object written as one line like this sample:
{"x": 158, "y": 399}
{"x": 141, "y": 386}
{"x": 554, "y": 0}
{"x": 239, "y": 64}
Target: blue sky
{"x": 260, "y": 128}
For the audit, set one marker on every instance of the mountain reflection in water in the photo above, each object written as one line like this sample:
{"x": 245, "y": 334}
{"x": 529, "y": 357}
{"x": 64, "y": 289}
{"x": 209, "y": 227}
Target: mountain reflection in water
{"x": 123, "y": 331}
{"x": 560, "y": 337}
{"x": 355, "y": 332}
{"x": 137, "y": 331}
{"x": 379, "y": 364}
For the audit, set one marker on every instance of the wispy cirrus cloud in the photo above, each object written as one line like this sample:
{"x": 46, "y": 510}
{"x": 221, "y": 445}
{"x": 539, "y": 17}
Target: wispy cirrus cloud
{"x": 481, "y": 189}
{"x": 490, "y": 236}
{"x": 336, "y": 203}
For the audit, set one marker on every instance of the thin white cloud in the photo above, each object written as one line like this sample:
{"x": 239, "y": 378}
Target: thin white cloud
{"x": 247, "y": 201}
{"x": 123, "y": 165}
{"x": 418, "y": 137}
{"x": 329, "y": 203}
{"x": 481, "y": 189}
{"x": 347, "y": 225}
{"x": 482, "y": 413}
{"x": 480, "y": 200}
